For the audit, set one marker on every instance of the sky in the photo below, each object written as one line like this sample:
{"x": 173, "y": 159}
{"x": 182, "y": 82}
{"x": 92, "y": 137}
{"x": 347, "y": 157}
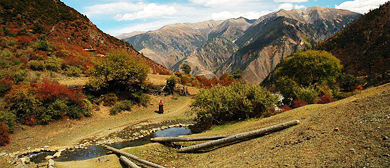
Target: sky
{"x": 124, "y": 16}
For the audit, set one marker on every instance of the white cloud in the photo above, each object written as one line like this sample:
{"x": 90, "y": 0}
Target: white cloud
{"x": 217, "y": 2}
{"x": 360, "y": 6}
{"x": 150, "y": 11}
{"x": 290, "y": 1}
{"x": 299, "y": 7}
{"x": 227, "y": 15}
{"x": 140, "y": 15}
{"x": 112, "y": 8}
{"x": 290, "y": 6}
{"x": 141, "y": 27}
{"x": 286, "y": 6}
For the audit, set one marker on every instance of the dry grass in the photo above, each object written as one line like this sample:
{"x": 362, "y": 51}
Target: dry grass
{"x": 363, "y": 122}
{"x": 158, "y": 79}
{"x": 80, "y": 81}
{"x": 4, "y": 163}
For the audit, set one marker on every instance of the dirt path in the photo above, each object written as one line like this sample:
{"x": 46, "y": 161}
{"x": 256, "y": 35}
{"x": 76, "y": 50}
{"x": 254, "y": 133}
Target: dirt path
{"x": 69, "y": 132}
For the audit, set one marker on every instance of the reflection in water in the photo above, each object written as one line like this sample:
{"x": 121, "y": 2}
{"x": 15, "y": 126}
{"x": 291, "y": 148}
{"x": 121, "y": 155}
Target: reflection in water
{"x": 94, "y": 151}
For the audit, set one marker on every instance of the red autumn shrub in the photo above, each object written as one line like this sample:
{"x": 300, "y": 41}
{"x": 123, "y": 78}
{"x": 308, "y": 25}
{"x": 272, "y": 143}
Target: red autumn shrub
{"x": 5, "y": 86}
{"x": 226, "y": 80}
{"x": 24, "y": 40}
{"x": 214, "y": 81}
{"x": 38, "y": 55}
{"x": 185, "y": 80}
{"x": 23, "y": 59}
{"x": 194, "y": 83}
{"x": 162, "y": 71}
{"x": 72, "y": 61}
{"x": 285, "y": 108}
{"x": 206, "y": 83}
{"x": 30, "y": 121}
{"x": 324, "y": 99}
{"x": 178, "y": 74}
{"x": 298, "y": 103}
{"x": 87, "y": 65}
{"x": 49, "y": 90}
{"x": 359, "y": 87}
{"x": 4, "y": 137}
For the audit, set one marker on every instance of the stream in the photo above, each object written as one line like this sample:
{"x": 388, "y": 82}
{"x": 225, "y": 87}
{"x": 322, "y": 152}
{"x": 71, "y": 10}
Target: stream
{"x": 94, "y": 151}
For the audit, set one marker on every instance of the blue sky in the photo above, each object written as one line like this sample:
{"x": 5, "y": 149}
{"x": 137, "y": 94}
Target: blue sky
{"x": 124, "y": 16}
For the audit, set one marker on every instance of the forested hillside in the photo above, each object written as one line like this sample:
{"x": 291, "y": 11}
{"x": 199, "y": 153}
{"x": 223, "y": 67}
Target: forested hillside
{"x": 44, "y": 28}
{"x": 364, "y": 47}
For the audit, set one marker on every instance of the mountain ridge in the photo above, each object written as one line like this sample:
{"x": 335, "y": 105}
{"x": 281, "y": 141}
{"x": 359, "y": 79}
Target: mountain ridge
{"x": 234, "y": 44}
{"x": 279, "y": 34}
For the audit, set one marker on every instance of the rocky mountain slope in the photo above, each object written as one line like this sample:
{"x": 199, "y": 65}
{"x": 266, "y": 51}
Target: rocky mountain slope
{"x": 364, "y": 47}
{"x": 279, "y": 34}
{"x": 252, "y": 46}
{"x": 128, "y": 35}
{"x": 69, "y": 33}
{"x": 172, "y": 43}
{"x": 217, "y": 49}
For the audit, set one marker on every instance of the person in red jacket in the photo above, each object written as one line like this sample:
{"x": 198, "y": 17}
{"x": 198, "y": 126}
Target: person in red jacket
{"x": 161, "y": 107}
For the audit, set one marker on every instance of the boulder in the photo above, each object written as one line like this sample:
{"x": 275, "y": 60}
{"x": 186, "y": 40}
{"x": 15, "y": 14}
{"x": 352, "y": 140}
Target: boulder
{"x": 25, "y": 160}
{"x": 57, "y": 154}
{"x": 50, "y": 164}
{"x": 103, "y": 159}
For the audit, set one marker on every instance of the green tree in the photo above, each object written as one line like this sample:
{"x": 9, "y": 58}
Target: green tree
{"x": 317, "y": 69}
{"x": 237, "y": 74}
{"x": 186, "y": 68}
{"x": 171, "y": 83}
{"x": 119, "y": 70}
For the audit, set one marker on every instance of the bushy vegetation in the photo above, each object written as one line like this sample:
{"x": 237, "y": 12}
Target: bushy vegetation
{"x": 121, "y": 106}
{"x": 186, "y": 68}
{"x": 9, "y": 78}
{"x": 171, "y": 83}
{"x": 141, "y": 98}
{"x": 202, "y": 82}
{"x": 110, "y": 99}
{"x": 73, "y": 71}
{"x": 4, "y": 137}
{"x": 305, "y": 76}
{"x": 50, "y": 38}
{"x": 238, "y": 101}
{"x": 36, "y": 65}
{"x": 119, "y": 70}
{"x": 42, "y": 45}
{"x": 8, "y": 119}
{"x": 40, "y": 103}
{"x": 53, "y": 64}
{"x": 8, "y": 59}
{"x": 308, "y": 94}
{"x": 349, "y": 83}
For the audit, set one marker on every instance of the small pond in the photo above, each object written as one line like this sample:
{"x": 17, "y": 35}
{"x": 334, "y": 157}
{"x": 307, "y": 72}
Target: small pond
{"x": 94, "y": 151}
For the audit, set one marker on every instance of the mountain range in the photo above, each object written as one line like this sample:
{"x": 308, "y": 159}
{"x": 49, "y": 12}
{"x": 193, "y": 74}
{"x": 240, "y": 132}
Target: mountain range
{"x": 254, "y": 47}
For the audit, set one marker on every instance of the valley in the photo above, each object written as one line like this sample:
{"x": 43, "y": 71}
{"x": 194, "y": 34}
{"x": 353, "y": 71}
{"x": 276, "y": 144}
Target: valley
{"x": 194, "y": 84}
